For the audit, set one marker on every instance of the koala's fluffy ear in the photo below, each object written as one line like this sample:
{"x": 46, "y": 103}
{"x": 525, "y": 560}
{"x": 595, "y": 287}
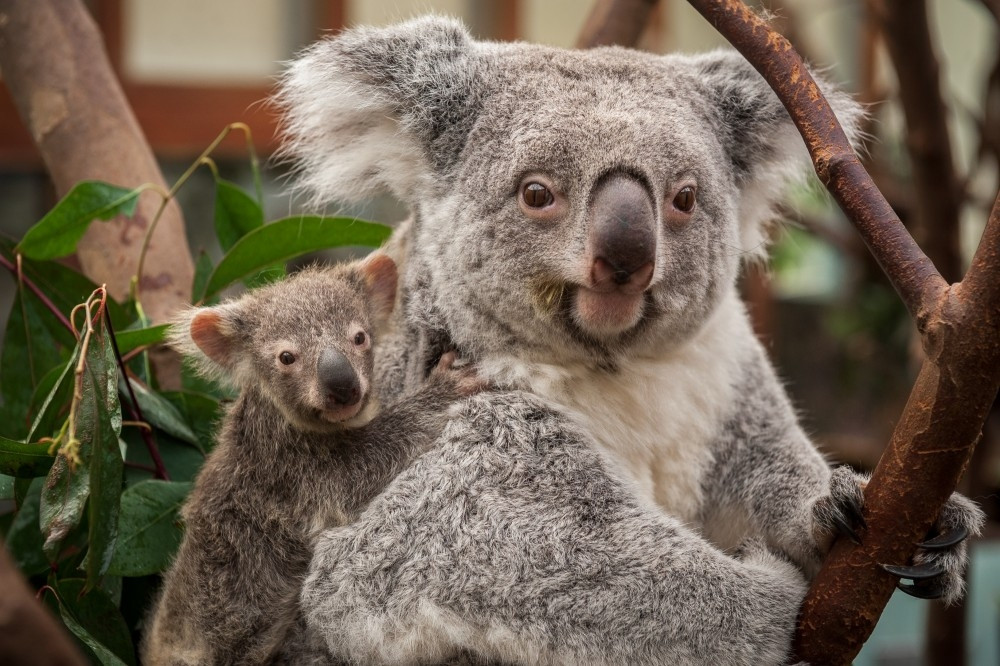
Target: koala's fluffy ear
{"x": 381, "y": 277}
{"x": 765, "y": 149}
{"x": 373, "y": 109}
{"x": 207, "y": 338}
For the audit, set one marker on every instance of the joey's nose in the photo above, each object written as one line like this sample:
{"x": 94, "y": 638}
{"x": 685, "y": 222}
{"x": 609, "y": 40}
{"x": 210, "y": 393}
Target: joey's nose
{"x": 622, "y": 234}
{"x": 338, "y": 379}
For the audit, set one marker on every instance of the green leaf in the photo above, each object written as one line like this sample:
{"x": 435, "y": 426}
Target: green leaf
{"x": 202, "y": 413}
{"x": 50, "y": 401}
{"x": 159, "y": 412}
{"x": 202, "y": 271}
{"x": 149, "y": 528}
{"x": 6, "y": 487}
{"x": 289, "y": 238}
{"x": 183, "y": 461}
{"x": 24, "y": 539}
{"x": 57, "y": 234}
{"x": 24, "y": 460}
{"x": 99, "y": 474}
{"x": 236, "y": 214}
{"x": 95, "y": 619}
{"x": 30, "y": 350}
{"x": 140, "y": 337}
{"x": 106, "y": 462}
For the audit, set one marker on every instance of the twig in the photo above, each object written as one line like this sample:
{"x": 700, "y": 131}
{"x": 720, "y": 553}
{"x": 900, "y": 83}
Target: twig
{"x": 136, "y": 410}
{"x": 24, "y": 279}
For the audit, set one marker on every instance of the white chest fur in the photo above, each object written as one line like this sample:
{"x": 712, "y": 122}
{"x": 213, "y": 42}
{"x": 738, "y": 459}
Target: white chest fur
{"x": 656, "y": 415}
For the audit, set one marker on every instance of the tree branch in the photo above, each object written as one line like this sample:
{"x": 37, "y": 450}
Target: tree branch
{"x": 938, "y": 190}
{"x": 70, "y": 100}
{"x": 615, "y": 22}
{"x": 960, "y": 326}
{"x": 912, "y": 274}
{"x": 29, "y": 634}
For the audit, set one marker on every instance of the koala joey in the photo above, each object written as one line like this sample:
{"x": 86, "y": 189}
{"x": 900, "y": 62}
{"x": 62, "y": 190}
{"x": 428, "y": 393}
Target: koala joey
{"x": 303, "y": 447}
{"x": 579, "y": 220}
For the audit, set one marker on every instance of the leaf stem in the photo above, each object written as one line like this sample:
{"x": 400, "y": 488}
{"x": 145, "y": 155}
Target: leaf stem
{"x": 147, "y": 434}
{"x": 24, "y": 279}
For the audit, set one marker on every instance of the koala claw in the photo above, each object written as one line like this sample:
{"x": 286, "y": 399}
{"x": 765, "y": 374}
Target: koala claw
{"x": 917, "y": 572}
{"x": 933, "y": 589}
{"x": 946, "y": 540}
{"x": 840, "y": 511}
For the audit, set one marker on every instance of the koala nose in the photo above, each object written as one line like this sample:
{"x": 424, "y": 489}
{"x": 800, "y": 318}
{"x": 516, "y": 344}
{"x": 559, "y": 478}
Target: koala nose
{"x": 338, "y": 379}
{"x": 622, "y": 234}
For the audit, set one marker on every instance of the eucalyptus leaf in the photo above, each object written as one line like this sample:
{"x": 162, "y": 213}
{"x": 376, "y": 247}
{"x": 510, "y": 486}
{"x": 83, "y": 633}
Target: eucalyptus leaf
{"x": 236, "y": 213}
{"x": 159, "y": 412}
{"x": 203, "y": 268}
{"x": 141, "y": 337}
{"x": 23, "y": 459}
{"x": 149, "y": 528}
{"x": 95, "y": 620}
{"x": 50, "y": 401}
{"x": 57, "y": 234}
{"x": 24, "y": 540}
{"x": 288, "y": 238}
{"x": 106, "y": 462}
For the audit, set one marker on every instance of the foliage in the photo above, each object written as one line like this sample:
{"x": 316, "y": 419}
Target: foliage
{"x": 90, "y": 497}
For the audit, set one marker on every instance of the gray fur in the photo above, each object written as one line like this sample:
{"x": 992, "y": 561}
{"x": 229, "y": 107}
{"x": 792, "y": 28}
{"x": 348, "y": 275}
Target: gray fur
{"x": 278, "y": 474}
{"x": 522, "y": 536}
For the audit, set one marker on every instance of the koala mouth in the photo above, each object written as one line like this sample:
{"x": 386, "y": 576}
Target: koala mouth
{"x": 608, "y": 312}
{"x": 340, "y": 413}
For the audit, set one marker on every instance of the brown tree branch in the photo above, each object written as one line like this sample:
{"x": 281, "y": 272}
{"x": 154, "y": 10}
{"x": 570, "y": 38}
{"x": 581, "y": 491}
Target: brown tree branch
{"x": 912, "y": 274}
{"x": 58, "y": 74}
{"x": 960, "y": 327}
{"x": 29, "y": 635}
{"x": 937, "y": 188}
{"x": 615, "y": 22}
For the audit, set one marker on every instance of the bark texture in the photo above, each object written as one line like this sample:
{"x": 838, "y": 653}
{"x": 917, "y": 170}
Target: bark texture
{"x": 56, "y": 69}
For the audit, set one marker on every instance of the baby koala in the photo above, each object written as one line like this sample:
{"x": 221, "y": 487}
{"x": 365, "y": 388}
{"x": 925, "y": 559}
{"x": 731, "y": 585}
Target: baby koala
{"x": 304, "y": 447}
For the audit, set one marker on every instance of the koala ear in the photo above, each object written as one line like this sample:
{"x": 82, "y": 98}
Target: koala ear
{"x": 207, "y": 337}
{"x": 381, "y": 277}
{"x": 373, "y": 109}
{"x": 765, "y": 149}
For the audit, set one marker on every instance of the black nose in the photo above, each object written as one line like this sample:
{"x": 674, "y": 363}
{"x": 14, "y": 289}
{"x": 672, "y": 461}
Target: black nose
{"x": 622, "y": 232}
{"x": 338, "y": 379}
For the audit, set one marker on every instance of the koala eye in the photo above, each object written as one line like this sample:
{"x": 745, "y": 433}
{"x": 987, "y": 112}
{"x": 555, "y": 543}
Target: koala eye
{"x": 286, "y": 358}
{"x": 536, "y": 195}
{"x": 360, "y": 338}
{"x": 684, "y": 200}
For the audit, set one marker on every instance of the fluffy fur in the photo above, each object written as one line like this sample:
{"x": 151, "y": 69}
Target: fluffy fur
{"x": 279, "y": 474}
{"x": 575, "y": 519}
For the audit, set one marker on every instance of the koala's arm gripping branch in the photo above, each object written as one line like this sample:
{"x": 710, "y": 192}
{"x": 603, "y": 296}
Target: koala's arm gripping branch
{"x": 960, "y": 327}
{"x": 912, "y": 274}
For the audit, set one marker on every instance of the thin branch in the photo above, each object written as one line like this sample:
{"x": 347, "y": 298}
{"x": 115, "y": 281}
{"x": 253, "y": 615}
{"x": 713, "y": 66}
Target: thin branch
{"x": 912, "y": 274}
{"x": 615, "y": 22}
{"x": 27, "y": 282}
{"x": 937, "y": 188}
{"x": 136, "y": 410}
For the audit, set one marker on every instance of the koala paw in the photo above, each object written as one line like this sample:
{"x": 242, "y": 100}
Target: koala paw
{"x": 462, "y": 380}
{"x": 938, "y": 566}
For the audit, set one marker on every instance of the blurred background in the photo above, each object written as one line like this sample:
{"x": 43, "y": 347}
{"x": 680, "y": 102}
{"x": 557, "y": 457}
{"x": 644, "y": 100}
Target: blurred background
{"x": 836, "y": 330}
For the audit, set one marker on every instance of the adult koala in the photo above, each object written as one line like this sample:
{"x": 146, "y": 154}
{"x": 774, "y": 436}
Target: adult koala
{"x": 579, "y": 220}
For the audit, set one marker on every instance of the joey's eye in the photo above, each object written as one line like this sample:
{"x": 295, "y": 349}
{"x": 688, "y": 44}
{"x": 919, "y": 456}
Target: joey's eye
{"x": 536, "y": 195}
{"x": 286, "y": 358}
{"x": 684, "y": 200}
{"x": 360, "y": 338}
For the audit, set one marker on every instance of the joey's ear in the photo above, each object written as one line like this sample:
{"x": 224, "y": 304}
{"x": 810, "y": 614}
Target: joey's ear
{"x": 764, "y": 148}
{"x": 373, "y": 109}
{"x": 207, "y": 337}
{"x": 381, "y": 277}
